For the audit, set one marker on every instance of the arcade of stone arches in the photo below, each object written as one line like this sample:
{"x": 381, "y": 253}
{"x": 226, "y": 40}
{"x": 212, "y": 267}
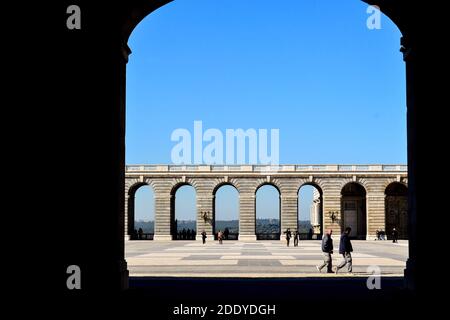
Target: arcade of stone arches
{"x": 368, "y": 206}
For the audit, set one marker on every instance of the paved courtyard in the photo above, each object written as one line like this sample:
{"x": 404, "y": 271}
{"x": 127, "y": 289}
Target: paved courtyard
{"x": 256, "y": 259}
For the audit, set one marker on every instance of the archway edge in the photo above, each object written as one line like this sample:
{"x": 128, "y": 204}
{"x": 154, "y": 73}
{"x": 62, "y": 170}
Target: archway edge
{"x": 174, "y": 189}
{"x": 394, "y": 10}
{"x": 270, "y": 184}
{"x": 358, "y": 183}
{"x": 137, "y": 10}
{"x": 218, "y": 186}
{"x": 133, "y": 188}
{"x": 313, "y": 184}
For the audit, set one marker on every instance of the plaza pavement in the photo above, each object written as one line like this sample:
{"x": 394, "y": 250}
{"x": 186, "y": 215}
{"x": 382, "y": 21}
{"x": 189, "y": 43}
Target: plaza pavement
{"x": 262, "y": 259}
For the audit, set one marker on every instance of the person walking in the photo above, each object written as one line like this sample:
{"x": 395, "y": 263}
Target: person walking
{"x": 220, "y": 237}
{"x": 288, "y": 236}
{"x": 204, "y": 236}
{"x": 296, "y": 237}
{"x": 140, "y": 233}
{"x": 327, "y": 249}
{"x": 346, "y": 249}
{"x": 394, "y": 235}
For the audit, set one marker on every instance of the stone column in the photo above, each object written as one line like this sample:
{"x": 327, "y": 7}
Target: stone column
{"x": 317, "y": 218}
{"x": 418, "y": 116}
{"x": 205, "y": 219}
{"x": 289, "y": 212}
{"x": 332, "y": 205}
{"x": 376, "y": 213}
{"x": 317, "y": 211}
{"x": 247, "y": 216}
{"x": 129, "y": 211}
{"x": 163, "y": 216}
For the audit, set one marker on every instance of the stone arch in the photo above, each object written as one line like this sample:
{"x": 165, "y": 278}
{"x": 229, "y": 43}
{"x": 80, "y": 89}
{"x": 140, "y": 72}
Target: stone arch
{"x": 219, "y": 184}
{"x": 354, "y": 208}
{"x": 133, "y": 14}
{"x": 312, "y": 184}
{"x": 273, "y": 235}
{"x": 317, "y": 219}
{"x": 261, "y": 183}
{"x": 360, "y": 181}
{"x": 396, "y": 209}
{"x": 234, "y": 234}
{"x": 389, "y": 181}
{"x": 179, "y": 183}
{"x": 131, "y": 188}
{"x": 399, "y": 12}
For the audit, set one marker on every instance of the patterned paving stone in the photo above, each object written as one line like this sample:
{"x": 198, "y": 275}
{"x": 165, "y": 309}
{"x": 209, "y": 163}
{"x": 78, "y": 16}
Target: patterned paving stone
{"x": 255, "y": 259}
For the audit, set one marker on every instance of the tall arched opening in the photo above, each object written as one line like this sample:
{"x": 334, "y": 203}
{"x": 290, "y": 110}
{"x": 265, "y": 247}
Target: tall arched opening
{"x": 396, "y": 205}
{"x": 353, "y": 208}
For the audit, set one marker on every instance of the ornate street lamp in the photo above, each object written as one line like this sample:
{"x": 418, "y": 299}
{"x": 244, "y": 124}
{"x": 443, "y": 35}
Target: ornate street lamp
{"x": 333, "y": 216}
{"x": 205, "y": 216}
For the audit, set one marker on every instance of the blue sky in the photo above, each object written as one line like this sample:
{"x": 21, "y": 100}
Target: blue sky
{"x": 334, "y": 88}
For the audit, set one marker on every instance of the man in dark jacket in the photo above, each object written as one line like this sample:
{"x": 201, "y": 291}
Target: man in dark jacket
{"x": 288, "y": 236}
{"x": 296, "y": 237}
{"x": 327, "y": 249}
{"x": 345, "y": 248}
{"x": 394, "y": 235}
{"x": 204, "y": 236}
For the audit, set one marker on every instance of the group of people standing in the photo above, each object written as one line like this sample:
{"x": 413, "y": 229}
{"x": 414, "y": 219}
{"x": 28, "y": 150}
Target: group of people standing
{"x": 289, "y": 235}
{"x": 296, "y": 235}
{"x": 186, "y": 234}
{"x": 381, "y": 235}
{"x": 221, "y": 235}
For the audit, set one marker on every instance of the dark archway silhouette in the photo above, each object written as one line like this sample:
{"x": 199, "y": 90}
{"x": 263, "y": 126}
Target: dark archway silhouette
{"x": 396, "y": 206}
{"x": 97, "y": 57}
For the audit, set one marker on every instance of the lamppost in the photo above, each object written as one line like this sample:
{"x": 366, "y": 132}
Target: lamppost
{"x": 205, "y": 216}
{"x": 333, "y": 216}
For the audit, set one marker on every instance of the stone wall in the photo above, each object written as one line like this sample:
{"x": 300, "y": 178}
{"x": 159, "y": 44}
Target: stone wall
{"x": 248, "y": 179}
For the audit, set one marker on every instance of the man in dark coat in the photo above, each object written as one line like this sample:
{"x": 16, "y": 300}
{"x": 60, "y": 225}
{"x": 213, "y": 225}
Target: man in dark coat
{"x": 327, "y": 249}
{"x": 288, "y": 236}
{"x": 394, "y": 235}
{"x": 296, "y": 237}
{"x": 346, "y": 249}
{"x": 204, "y": 236}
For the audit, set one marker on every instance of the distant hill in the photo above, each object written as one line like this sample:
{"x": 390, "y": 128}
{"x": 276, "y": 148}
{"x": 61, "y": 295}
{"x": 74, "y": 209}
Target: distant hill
{"x": 262, "y": 225}
{"x": 147, "y": 226}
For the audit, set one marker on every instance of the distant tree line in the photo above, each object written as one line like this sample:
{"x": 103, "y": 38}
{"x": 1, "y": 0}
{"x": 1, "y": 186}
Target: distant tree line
{"x": 262, "y": 225}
